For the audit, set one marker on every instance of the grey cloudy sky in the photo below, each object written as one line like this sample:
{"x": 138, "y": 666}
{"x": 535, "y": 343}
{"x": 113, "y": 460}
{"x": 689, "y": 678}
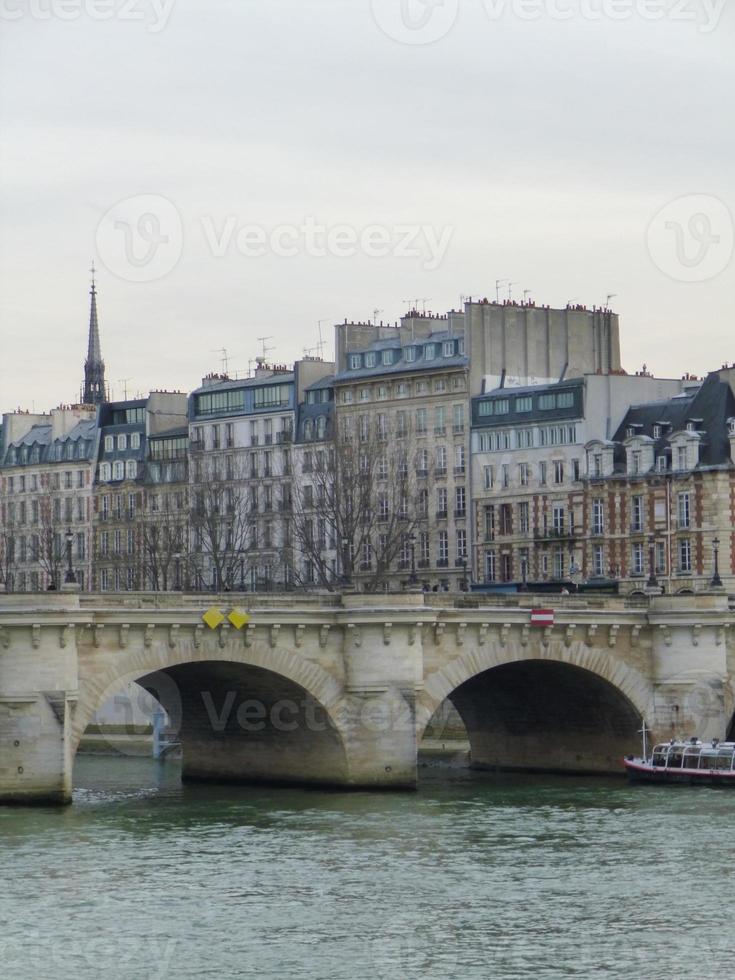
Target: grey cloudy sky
{"x": 289, "y": 161}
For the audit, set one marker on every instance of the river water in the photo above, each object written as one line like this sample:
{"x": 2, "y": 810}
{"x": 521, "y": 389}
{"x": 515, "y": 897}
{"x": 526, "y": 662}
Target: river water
{"x": 476, "y": 875}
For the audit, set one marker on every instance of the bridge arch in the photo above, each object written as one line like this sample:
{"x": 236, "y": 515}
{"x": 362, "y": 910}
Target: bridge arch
{"x": 555, "y": 707}
{"x": 254, "y": 713}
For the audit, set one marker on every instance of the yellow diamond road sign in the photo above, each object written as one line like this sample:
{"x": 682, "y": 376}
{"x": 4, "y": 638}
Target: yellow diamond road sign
{"x": 213, "y": 617}
{"x": 239, "y": 618}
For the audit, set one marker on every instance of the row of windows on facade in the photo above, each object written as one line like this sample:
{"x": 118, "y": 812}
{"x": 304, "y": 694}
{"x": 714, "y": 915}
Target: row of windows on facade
{"x": 383, "y": 501}
{"x": 557, "y": 469}
{"x": 399, "y": 424}
{"x": 261, "y": 463}
{"x": 122, "y": 441}
{"x": 118, "y": 470}
{"x": 42, "y": 511}
{"x": 71, "y": 449}
{"x": 34, "y": 581}
{"x": 261, "y": 432}
{"x": 402, "y": 389}
{"x": 563, "y": 521}
{"x": 682, "y": 459}
{"x": 392, "y": 355}
{"x": 34, "y": 482}
{"x": 525, "y": 403}
{"x": 558, "y": 564}
{"x": 526, "y": 438}
{"x": 121, "y": 507}
{"x": 235, "y": 399}
{"x": 24, "y": 548}
{"x": 414, "y": 548}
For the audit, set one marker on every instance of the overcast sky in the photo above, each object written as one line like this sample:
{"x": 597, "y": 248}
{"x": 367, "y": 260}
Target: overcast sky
{"x": 283, "y": 162}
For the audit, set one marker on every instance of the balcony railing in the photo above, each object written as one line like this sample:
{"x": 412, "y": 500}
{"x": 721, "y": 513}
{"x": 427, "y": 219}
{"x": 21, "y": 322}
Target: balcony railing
{"x": 442, "y": 515}
{"x": 558, "y": 533}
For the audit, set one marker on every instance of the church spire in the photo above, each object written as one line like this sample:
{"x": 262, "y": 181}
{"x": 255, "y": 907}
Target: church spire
{"x": 94, "y": 366}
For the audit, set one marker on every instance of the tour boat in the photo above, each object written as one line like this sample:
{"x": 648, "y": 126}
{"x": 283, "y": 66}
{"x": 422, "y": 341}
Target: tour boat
{"x": 694, "y": 762}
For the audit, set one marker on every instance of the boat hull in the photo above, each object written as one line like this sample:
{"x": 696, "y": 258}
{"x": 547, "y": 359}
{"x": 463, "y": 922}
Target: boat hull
{"x": 641, "y": 772}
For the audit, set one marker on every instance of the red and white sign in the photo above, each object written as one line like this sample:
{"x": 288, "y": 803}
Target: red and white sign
{"x": 542, "y": 617}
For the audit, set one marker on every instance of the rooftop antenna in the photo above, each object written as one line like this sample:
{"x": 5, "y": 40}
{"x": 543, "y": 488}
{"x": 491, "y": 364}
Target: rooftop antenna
{"x": 124, "y": 383}
{"x": 510, "y": 290}
{"x": 376, "y": 314}
{"x": 322, "y": 342}
{"x": 266, "y": 350}
{"x": 498, "y": 284}
{"x": 225, "y": 358}
{"x": 409, "y": 305}
{"x": 424, "y": 300}
{"x": 526, "y": 294}
{"x": 609, "y": 297}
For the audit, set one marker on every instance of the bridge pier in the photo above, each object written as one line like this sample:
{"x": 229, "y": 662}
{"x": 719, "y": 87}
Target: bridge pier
{"x": 38, "y": 698}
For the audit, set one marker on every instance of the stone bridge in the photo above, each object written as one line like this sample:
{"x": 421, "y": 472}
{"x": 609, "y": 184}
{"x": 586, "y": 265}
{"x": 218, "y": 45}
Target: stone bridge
{"x": 338, "y": 690}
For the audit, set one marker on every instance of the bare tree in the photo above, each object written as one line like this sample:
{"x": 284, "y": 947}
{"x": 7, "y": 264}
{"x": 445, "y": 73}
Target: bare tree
{"x": 222, "y": 524}
{"x": 163, "y": 540}
{"x": 7, "y": 558}
{"x": 357, "y": 495}
{"x": 48, "y": 549}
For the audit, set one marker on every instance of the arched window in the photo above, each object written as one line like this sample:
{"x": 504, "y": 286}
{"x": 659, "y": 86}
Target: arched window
{"x": 109, "y": 444}
{"x": 308, "y": 430}
{"x": 131, "y": 469}
{"x": 105, "y": 472}
{"x": 321, "y": 427}
{"x": 118, "y": 470}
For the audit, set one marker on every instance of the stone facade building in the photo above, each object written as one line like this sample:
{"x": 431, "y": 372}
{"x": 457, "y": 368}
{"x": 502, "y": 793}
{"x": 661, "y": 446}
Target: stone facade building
{"x": 402, "y": 400}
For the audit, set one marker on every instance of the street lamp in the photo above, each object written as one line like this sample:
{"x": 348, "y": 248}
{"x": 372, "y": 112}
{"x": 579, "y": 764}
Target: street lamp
{"x": 524, "y": 572}
{"x": 652, "y": 580}
{"x": 463, "y": 580}
{"x": 716, "y": 582}
{"x": 70, "y": 578}
{"x": 345, "y": 561}
{"x": 177, "y": 570}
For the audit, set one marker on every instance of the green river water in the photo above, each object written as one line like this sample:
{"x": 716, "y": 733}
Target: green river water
{"x": 475, "y": 875}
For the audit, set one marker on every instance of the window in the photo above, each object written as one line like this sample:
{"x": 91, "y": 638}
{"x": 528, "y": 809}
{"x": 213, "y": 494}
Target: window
{"x": 131, "y": 469}
{"x": 596, "y": 468}
{"x": 558, "y": 563}
{"x": 505, "y": 475}
{"x": 661, "y": 557}
{"x": 271, "y": 396}
{"x": 489, "y": 477}
{"x": 421, "y": 421}
{"x": 598, "y": 517}
{"x": 347, "y": 396}
{"x": 424, "y": 549}
{"x": 636, "y": 523}
{"x": 429, "y": 352}
{"x": 423, "y": 502}
{"x": 542, "y": 473}
{"x": 109, "y": 444}
{"x": 558, "y": 471}
{"x": 636, "y": 567}
{"x": 371, "y": 359}
{"x": 458, "y": 419}
{"x": 523, "y": 517}
{"x": 635, "y": 464}
{"x": 685, "y": 555}
{"x": 422, "y": 462}
{"x": 363, "y": 427}
{"x": 661, "y": 464}
{"x": 440, "y": 420}
{"x": 683, "y": 510}
{"x": 575, "y": 470}
{"x": 490, "y": 523}
{"x": 565, "y": 399}
{"x": 401, "y": 425}
{"x": 546, "y": 402}
{"x": 459, "y": 460}
{"x": 461, "y": 543}
{"x": 122, "y": 441}
{"x": 383, "y": 507}
{"x": 557, "y": 517}
{"x": 382, "y": 421}
{"x": 355, "y": 362}
{"x": 443, "y": 548}
{"x": 364, "y": 394}
{"x": 387, "y": 357}
{"x": 657, "y": 432}
{"x": 118, "y": 470}
{"x": 506, "y": 518}
{"x": 460, "y": 502}
{"x": 409, "y": 354}
{"x": 524, "y": 404}
{"x": 448, "y": 348}
{"x": 440, "y": 385}
{"x": 524, "y": 438}
{"x": 441, "y": 461}
{"x": 441, "y": 502}
{"x": 598, "y": 561}
{"x": 523, "y": 474}
{"x": 105, "y": 472}
{"x": 402, "y": 389}
{"x": 490, "y": 566}
{"x": 681, "y": 458}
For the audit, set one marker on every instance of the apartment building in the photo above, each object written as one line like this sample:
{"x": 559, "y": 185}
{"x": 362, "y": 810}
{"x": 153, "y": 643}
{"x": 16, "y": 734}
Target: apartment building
{"x": 241, "y": 476}
{"x": 528, "y": 473}
{"x": 402, "y": 411}
{"x": 659, "y": 496}
{"x": 132, "y": 513}
{"x": 46, "y": 473}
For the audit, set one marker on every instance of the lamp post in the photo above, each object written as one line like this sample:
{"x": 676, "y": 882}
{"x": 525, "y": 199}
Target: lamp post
{"x": 716, "y": 582}
{"x": 463, "y": 580}
{"x": 70, "y": 578}
{"x": 177, "y": 571}
{"x": 345, "y": 561}
{"x": 652, "y": 580}
{"x": 413, "y": 580}
{"x": 524, "y": 573}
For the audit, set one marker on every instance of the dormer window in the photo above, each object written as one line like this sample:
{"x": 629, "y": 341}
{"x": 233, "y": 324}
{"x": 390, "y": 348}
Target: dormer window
{"x": 429, "y": 352}
{"x": 661, "y": 464}
{"x": 355, "y": 362}
{"x": 410, "y": 354}
{"x": 371, "y": 359}
{"x": 448, "y": 348}
{"x": 629, "y": 432}
{"x": 657, "y": 432}
{"x": 691, "y": 427}
{"x": 387, "y": 357}
{"x": 109, "y": 444}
